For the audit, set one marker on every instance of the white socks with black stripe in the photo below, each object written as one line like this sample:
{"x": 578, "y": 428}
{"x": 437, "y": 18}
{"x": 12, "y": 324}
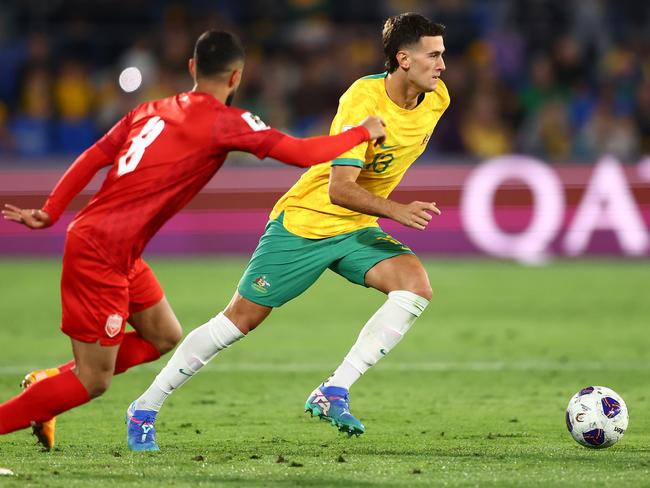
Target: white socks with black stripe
{"x": 380, "y": 334}
{"x": 196, "y": 350}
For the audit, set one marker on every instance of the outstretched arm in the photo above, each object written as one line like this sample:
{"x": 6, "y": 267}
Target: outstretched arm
{"x": 100, "y": 154}
{"x": 71, "y": 183}
{"x": 346, "y": 192}
{"x": 314, "y": 150}
{"x": 75, "y": 179}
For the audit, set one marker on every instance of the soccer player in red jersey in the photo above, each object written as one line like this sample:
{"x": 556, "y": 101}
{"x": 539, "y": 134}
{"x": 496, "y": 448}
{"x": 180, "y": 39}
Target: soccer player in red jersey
{"x": 160, "y": 156}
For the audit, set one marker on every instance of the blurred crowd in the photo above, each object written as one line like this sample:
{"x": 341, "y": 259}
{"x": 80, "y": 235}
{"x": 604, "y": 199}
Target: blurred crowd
{"x": 563, "y": 80}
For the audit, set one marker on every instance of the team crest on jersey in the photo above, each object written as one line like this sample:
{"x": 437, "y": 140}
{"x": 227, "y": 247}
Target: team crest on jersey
{"x": 261, "y": 285}
{"x": 113, "y": 325}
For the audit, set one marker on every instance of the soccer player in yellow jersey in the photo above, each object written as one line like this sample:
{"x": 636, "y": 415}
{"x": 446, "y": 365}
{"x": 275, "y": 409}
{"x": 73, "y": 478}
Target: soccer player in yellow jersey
{"x": 329, "y": 220}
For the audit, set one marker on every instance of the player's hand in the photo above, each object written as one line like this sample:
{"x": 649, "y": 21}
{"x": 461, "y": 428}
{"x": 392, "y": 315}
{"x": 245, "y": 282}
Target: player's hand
{"x": 416, "y": 215}
{"x": 33, "y": 218}
{"x": 375, "y": 126}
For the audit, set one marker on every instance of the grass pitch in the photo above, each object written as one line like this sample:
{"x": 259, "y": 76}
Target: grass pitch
{"x": 473, "y": 396}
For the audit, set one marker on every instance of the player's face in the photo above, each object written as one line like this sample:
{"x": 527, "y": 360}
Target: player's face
{"x": 425, "y": 63}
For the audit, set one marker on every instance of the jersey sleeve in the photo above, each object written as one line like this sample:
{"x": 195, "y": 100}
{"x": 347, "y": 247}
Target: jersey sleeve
{"x": 114, "y": 139}
{"x": 79, "y": 174}
{"x": 352, "y": 110}
{"x": 244, "y": 131}
{"x": 315, "y": 150}
{"x": 75, "y": 179}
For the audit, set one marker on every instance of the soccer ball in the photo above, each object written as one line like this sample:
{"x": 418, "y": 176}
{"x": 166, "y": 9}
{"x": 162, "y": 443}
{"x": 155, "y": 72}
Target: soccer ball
{"x": 597, "y": 417}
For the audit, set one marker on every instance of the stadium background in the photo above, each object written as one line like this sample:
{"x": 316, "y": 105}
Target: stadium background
{"x": 543, "y": 152}
{"x": 563, "y": 85}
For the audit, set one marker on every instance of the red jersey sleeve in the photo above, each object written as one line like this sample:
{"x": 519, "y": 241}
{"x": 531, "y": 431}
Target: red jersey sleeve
{"x": 79, "y": 174}
{"x": 243, "y": 131}
{"x": 315, "y": 150}
{"x": 114, "y": 139}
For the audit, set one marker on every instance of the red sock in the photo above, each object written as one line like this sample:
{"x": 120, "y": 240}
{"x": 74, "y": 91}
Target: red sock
{"x": 42, "y": 401}
{"x": 67, "y": 366}
{"x": 134, "y": 350}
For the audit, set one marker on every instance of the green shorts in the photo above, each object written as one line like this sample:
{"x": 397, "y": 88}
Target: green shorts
{"x": 284, "y": 265}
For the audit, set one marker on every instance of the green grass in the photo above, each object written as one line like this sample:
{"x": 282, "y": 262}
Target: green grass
{"x": 473, "y": 396}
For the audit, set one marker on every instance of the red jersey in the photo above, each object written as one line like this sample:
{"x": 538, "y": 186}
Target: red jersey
{"x": 162, "y": 153}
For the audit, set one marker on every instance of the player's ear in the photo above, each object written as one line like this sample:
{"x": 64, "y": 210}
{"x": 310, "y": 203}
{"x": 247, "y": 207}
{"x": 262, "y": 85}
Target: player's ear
{"x": 191, "y": 66}
{"x": 403, "y": 60}
{"x": 235, "y": 78}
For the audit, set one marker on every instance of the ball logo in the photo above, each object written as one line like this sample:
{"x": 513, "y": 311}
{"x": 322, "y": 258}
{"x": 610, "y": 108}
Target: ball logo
{"x": 113, "y": 325}
{"x": 580, "y": 417}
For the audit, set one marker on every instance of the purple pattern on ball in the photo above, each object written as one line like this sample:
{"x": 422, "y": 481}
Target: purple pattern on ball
{"x": 594, "y": 437}
{"x": 611, "y": 407}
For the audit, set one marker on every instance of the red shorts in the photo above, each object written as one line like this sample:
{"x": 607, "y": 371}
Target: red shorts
{"x": 96, "y": 298}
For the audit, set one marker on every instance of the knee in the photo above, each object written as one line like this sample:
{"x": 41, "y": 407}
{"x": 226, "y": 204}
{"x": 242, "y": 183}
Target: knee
{"x": 244, "y": 323}
{"x": 169, "y": 340}
{"x": 423, "y": 290}
{"x": 96, "y": 384}
{"x": 411, "y": 277}
{"x": 99, "y": 387}
{"x": 250, "y": 326}
{"x": 419, "y": 287}
{"x": 245, "y": 314}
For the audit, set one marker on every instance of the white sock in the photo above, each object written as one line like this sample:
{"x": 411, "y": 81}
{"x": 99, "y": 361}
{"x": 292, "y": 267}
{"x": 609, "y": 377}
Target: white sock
{"x": 380, "y": 334}
{"x": 196, "y": 350}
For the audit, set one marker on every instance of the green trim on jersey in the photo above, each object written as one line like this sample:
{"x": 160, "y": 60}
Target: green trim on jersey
{"x": 374, "y": 77}
{"x": 284, "y": 264}
{"x": 347, "y": 162}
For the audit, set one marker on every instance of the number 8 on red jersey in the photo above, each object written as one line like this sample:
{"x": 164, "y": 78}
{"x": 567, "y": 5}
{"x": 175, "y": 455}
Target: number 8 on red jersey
{"x": 147, "y": 135}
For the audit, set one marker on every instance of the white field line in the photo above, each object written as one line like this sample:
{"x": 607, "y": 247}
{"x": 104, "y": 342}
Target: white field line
{"x": 532, "y": 366}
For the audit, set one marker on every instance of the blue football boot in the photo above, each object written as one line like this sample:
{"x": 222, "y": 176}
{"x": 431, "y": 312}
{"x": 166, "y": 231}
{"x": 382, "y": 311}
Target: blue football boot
{"x": 332, "y": 404}
{"x": 140, "y": 432}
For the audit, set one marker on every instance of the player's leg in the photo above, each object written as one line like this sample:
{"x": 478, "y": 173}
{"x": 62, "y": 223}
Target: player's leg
{"x": 95, "y": 300}
{"x": 158, "y": 326}
{"x": 135, "y": 349}
{"x": 150, "y": 314}
{"x": 200, "y": 346}
{"x": 94, "y": 366}
{"x": 280, "y": 269}
{"x": 59, "y": 393}
{"x": 405, "y": 282}
{"x": 157, "y": 329}
{"x": 383, "y": 263}
{"x": 195, "y": 351}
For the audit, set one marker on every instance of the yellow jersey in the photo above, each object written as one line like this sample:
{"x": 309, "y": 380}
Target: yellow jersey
{"x": 307, "y": 209}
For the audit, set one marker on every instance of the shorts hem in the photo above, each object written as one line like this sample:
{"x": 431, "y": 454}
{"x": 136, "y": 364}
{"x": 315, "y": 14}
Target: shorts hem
{"x": 107, "y": 342}
{"x": 383, "y": 258}
{"x": 146, "y": 305}
{"x": 257, "y": 301}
